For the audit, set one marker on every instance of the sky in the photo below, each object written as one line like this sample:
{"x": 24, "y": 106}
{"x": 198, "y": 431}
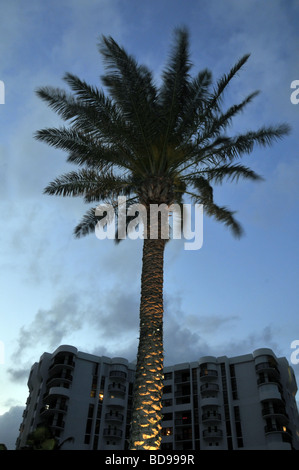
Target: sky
{"x": 226, "y": 299}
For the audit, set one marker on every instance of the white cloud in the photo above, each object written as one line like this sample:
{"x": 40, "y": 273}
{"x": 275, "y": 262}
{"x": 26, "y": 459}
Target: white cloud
{"x": 9, "y": 426}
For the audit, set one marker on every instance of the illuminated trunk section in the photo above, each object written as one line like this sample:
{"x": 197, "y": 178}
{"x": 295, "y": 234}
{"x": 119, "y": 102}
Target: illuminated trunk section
{"x": 147, "y": 402}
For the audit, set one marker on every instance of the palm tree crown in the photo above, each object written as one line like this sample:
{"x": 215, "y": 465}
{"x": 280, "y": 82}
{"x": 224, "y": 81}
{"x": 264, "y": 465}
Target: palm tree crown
{"x": 151, "y": 144}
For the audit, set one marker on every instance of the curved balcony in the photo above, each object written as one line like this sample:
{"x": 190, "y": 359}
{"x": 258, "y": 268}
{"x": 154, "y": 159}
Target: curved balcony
{"x": 269, "y": 391}
{"x": 116, "y": 387}
{"x": 207, "y": 400}
{"x": 275, "y": 410}
{"x": 114, "y": 417}
{"x": 57, "y": 391}
{"x": 114, "y": 401}
{"x": 267, "y": 366}
{"x": 118, "y": 374}
{"x": 209, "y": 417}
{"x": 50, "y": 409}
{"x": 278, "y": 413}
{"x": 277, "y": 428}
{"x": 209, "y": 389}
{"x": 212, "y": 434}
{"x": 208, "y": 374}
{"x": 59, "y": 379}
{"x": 108, "y": 432}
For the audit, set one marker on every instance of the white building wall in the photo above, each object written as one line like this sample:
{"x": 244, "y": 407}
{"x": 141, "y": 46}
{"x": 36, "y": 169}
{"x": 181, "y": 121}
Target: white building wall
{"x": 245, "y": 402}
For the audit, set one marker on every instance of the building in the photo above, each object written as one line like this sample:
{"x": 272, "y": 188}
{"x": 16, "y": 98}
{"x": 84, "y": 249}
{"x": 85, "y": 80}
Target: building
{"x": 244, "y": 402}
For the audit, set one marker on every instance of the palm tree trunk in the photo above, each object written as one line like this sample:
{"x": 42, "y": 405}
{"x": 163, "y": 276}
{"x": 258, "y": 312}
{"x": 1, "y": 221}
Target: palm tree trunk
{"x": 147, "y": 406}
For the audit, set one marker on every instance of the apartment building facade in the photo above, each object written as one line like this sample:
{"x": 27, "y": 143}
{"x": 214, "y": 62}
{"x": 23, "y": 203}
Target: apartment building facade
{"x": 245, "y": 402}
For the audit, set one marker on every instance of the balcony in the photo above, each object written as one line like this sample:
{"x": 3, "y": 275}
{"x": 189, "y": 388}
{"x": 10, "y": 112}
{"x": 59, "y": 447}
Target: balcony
{"x": 114, "y": 417}
{"x": 48, "y": 409}
{"x": 62, "y": 360}
{"x": 270, "y": 391}
{"x": 211, "y": 417}
{"x": 212, "y": 434}
{"x": 275, "y": 411}
{"x": 116, "y": 387}
{"x": 119, "y": 374}
{"x": 116, "y": 401}
{"x": 209, "y": 389}
{"x": 57, "y": 391}
{"x": 108, "y": 432}
{"x": 59, "y": 379}
{"x": 208, "y": 374}
{"x": 277, "y": 428}
{"x": 267, "y": 366}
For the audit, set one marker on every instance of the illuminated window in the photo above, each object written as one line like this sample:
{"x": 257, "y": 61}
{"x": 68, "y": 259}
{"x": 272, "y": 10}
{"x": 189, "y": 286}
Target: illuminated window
{"x": 167, "y": 432}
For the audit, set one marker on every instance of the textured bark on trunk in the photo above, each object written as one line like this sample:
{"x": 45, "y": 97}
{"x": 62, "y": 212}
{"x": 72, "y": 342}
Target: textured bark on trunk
{"x": 147, "y": 406}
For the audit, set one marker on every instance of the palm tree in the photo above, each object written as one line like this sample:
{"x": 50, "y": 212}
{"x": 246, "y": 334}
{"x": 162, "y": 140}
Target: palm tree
{"x": 42, "y": 438}
{"x": 152, "y": 145}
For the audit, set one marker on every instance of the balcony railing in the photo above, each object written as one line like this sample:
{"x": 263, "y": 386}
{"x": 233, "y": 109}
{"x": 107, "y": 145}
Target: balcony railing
{"x": 62, "y": 362}
{"x": 208, "y": 374}
{"x": 267, "y": 366}
{"x": 211, "y": 417}
{"x": 112, "y": 432}
{"x": 209, "y": 388}
{"x": 53, "y": 409}
{"x": 114, "y": 417}
{"x": 276, "y": 410}
{"x": 117, "y": 388}
{"x": 118, "y": 373}
{"x": 277, "y": 428}
{"x": 210, "y": 434}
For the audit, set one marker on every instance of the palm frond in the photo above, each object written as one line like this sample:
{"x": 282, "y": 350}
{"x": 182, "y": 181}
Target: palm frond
{"x": 73, "y": 183}
{"x": 89, "y": 184}
{"x": 221, "y": 122}
{"x": 223, "y": 148}
{"x": 87, "y": 224}
{"x": 228, "y": 172}
{"x": 223, "y": 82}
{"x": 84, "y": 149}
{"x": 136, "y": 102}
{"x": 244, "y": 143}
{"x": 195, "y": 103}
{"x": 61, "y": 102}
{"x": 175, "y": 90}
{"x": 225, "y": 216}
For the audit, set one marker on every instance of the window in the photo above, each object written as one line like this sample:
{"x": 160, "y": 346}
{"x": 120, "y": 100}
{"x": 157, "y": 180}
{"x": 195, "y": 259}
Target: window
{"x": 167, "y": 402}
{"x": 88, "y": 424}
{"x": 168, "y": 376}
{"x": 167, "y": 431}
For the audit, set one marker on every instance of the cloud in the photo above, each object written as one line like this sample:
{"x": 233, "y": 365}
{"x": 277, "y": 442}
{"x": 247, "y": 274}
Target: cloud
{"x": 9, "y": 426}
{"x": 50, "y": 326}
